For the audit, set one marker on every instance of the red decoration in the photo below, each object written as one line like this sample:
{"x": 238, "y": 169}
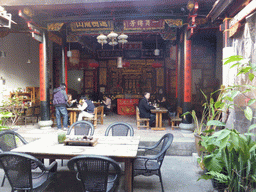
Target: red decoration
{"x": 126, "y": 64}
{"x": 156, "y": 65}
{"x": 94, "y": 65}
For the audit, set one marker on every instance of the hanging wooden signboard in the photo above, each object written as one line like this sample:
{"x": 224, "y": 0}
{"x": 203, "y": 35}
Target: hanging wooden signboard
{"x": 142, "y": 25}
{"x": 92, "y": 26}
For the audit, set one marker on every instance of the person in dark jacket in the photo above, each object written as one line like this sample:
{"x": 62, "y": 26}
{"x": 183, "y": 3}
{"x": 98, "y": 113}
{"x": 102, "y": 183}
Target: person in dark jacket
{"x": 60, "y": 102}
{"x": 145, "y": 108}
{"x": 87, "y": 108}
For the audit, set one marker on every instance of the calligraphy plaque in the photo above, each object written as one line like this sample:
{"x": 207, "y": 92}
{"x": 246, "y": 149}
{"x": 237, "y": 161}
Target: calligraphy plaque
{"x": 140, "y": 25}
{"x": 92, "y": 26}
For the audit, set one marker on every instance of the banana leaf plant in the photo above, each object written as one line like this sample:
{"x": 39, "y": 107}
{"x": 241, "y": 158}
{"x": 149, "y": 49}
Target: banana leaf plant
{"x": 231, "y": 159}
{"x": 229, "y": 156}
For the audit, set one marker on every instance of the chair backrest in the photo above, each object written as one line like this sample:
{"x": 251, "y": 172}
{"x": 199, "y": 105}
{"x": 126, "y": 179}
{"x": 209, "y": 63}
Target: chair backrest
{"x": 137, "y": 113}
{"x": 179, "y": 111}
{"x": 163, "y": 144}
{"x": 29, "y": 111}
{"x": 94, "y": 172}
{"x": 17, "y": 167}
{"x": 81, "y": 128}
{"x": 100, "y": 110}
{"x": 119, "y": 129}
{"x": 37, "y": 111}
{"x": 8, "y": 140}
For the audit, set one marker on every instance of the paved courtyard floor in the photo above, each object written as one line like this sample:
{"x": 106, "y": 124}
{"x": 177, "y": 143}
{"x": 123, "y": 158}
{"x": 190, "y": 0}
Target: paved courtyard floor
{"x": 179, "y": 173}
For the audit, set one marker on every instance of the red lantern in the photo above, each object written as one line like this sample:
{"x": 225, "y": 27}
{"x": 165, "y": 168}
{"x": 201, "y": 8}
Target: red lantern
{"x": 156, "y": 65}
{"x": 94, "y": 65}
{"x": 126, "y": 64}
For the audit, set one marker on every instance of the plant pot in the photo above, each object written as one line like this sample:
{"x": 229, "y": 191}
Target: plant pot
{"x": 199, "y": 147}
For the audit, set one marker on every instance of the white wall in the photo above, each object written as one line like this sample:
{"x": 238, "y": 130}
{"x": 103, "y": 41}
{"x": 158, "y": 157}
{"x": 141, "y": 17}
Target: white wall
{"x": 14, "y": 67}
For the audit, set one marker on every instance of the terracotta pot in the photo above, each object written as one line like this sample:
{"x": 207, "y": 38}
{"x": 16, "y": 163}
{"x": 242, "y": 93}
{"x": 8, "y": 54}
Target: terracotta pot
{"x": 198, "y": 146}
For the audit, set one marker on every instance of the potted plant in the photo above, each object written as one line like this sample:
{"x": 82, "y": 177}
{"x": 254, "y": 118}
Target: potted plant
{"x": 212, "y": 111}
{"x": 231, "y": 159}
{"x": 15, "y": 107}
{"x": 230, "y": 156}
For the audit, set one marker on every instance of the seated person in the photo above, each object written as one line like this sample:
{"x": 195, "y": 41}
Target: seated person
{"x": 70, "y": 102}
{"x": 145, "y": 108}
{"x": 164, "y": 103}
{"x": 87, "y": 108}
{"x": 107, "y": 103}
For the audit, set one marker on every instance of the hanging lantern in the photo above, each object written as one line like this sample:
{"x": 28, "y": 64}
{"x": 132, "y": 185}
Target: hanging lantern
{"x": 156, "y": 65}
{"x": 94, "y": 65}
{"x": 102, "y": 39}
{"x": 119, "y": 62}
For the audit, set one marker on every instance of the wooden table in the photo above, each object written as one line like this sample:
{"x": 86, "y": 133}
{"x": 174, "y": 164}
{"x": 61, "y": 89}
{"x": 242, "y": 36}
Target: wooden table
{"x": 121, "y": 149}
{"x": 73, "y": 112}
{"x": 159, "y": 112}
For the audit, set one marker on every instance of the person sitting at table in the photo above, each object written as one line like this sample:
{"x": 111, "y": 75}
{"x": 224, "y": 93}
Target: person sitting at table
{"x": 107, "y": 103}
{"x": 70, "y": 102}
{"x": 87, "y": 108}
{"x": 164, "y": 103}
{"x": 145, "y": 107}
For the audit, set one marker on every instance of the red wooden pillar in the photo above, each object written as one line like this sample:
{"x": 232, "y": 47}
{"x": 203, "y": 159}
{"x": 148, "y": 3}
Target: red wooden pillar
{"x": 187, "y": 72}
{"x": 42, "y": 73}
{"x": 44, "y": 82}
{"x": 187, "y": 82}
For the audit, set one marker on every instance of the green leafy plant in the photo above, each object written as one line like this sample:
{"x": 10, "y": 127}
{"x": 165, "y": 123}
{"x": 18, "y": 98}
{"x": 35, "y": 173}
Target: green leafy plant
{"x": 231, "y": 159}
{"x": 229, "y": 155}
{"x": 14, "y": 106}
{"x": 212, "y": 111}
{"x": 3, "y": 119}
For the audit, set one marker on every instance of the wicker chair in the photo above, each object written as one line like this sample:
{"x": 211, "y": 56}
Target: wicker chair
{"x": 81, "y": 128}
{"x": 120, "y": 129}
{"x": 8, "y": 141}
{"x": 149, "y": 165}
{"x": 96, "y": 173}
{"x": 19, "y": 169}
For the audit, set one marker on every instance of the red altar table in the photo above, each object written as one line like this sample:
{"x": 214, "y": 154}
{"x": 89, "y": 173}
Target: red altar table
{"x": 127, "y": 106}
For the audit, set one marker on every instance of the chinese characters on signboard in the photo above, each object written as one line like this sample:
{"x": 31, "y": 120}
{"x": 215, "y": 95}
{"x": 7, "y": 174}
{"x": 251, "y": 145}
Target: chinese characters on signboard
{"x": 92, "y": 25}
{"x": 143, "y": 24}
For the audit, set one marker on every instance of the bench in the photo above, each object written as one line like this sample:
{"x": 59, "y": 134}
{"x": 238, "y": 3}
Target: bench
{"x": 140, "y": 120}
{"x": 175, "y": 121}
{"x": 97, "y": 116}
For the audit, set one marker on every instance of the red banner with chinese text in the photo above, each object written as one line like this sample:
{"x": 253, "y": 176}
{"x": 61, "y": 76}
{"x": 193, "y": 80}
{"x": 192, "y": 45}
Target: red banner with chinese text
{"x": 141, "y": 25}
{"x": 187, "y": 72}
{"x": 42, "y": 72}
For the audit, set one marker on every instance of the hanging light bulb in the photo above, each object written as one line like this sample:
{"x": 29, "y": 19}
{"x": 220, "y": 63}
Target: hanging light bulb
{"x": 69, "y": 53}
{"x": 28, "y": 50}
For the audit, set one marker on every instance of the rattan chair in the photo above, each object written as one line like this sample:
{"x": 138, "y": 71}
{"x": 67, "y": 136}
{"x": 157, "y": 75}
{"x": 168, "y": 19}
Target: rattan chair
{"x": 9, "y": 140}
{"x": 81, "y": 128}
{"x": 96, "y": 173}
{"x": 119, "y": 129}
{"x": 150, "y": 164}
{"x": 19, "y": 169}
